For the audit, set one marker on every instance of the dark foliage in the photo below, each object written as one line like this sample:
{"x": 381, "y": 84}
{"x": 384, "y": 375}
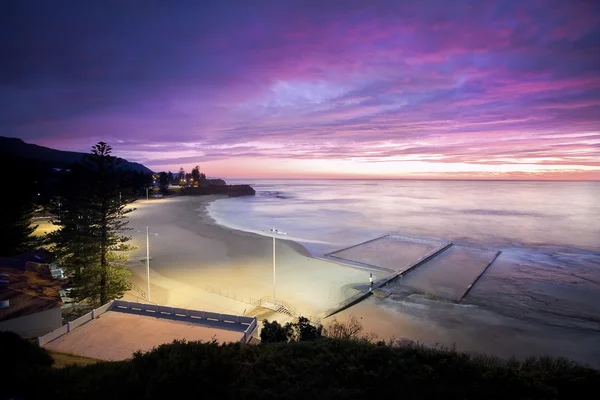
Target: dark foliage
{"x": 324, "y": 368}
{"x": 274, "y": 332}
{"x": 301, "y": 330}
{"x": 91, "y": 214}
{"x": 306, "y": 331}
{"x": 163, "y": 182}
{"x": 18, "y": 352}
{"x": 19, "y": 204}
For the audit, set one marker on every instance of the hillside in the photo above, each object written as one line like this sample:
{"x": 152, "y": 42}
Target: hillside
{"x": 324, "y": 368}
{"x": 17, "y": 148}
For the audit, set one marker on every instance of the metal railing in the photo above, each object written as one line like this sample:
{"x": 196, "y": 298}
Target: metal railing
{"x": 281, "y": 306}
{"x": 138, "y": 290}
{"x": 246, "y": 325}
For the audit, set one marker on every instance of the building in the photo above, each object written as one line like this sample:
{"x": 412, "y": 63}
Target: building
{"x": 30, "y": 303}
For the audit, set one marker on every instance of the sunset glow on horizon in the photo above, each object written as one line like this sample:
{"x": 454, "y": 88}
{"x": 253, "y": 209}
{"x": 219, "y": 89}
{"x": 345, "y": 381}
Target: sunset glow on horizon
{"x": 312, "y": 89}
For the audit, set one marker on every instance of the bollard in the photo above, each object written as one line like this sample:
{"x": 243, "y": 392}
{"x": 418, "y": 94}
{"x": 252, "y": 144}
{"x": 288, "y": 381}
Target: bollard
{"x": 68, "y": 327}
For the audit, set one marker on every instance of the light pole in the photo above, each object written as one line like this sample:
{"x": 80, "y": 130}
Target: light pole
{"x": 146, "y": 193}
{"x": 275, "y": 232}
{"x": 147, "y": 264}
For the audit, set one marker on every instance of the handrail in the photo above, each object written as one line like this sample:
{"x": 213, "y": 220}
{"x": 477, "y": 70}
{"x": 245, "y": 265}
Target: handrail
{"x": 137, "y": 289}
{"x": 287, "y": 307}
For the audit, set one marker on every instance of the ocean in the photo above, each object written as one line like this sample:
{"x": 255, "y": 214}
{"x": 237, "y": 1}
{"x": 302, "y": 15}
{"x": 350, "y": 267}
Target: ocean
{"x": 548, "y": 233}
{"x": 536, "y": 214}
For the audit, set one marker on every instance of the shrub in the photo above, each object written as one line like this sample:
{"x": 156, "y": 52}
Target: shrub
{"x": 273, "y": 332}
{"x": 20, "y": 353}
{"x": 326, "y": 368}
{"x": 304, "y": 330}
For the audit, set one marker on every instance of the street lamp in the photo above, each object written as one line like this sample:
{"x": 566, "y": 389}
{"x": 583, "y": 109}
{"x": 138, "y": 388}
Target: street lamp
{"x": 148, "y": 262}
{"x": 275, "y": 232}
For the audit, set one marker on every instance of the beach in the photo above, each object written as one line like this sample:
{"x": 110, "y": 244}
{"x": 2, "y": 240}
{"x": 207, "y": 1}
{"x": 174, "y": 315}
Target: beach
{"x": 196, "y": 263}
{"x": 192, "y": 260}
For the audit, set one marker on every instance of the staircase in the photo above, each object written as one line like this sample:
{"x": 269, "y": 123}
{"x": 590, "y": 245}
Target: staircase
{"x": 278, "y": 306}
{"x": 138, "y": 290}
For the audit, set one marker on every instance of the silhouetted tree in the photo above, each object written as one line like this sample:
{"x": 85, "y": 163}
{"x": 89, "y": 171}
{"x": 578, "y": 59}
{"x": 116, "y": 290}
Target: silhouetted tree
{"x": 196, "y": 175}
{"x": 18, "y": 209}
{"x": 163, "y": 181}
{"x": 139, "y": 182}
{"x": 91, "y": 213}
{"x": 302, "y": 330}
{"x": 181, "y": 176}
{"x": 170, "y": 177}
{"x": 273, "y": 332}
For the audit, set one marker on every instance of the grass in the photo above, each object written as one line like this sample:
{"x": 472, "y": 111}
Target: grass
{"x": 62, "y": 360}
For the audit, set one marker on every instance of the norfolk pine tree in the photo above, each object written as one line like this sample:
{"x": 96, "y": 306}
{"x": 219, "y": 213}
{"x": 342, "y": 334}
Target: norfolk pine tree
{"x": 91, "y": 213}
{"x": 196, "y": 175}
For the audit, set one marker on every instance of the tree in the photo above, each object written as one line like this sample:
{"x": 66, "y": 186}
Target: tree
{"x": 91, "y": 213}
{"x": 18, "y": 208}
{"x": 302, "y": 330}
{"x": 163, "y": 181}
{"x": 139, "y": 182}
{"x": 349, "y": 330}
{"x": 196, "y": 175}
{"x": 274, "y": 332}
{"x": 181, "y": 176}
{"x": 170, "y": 177}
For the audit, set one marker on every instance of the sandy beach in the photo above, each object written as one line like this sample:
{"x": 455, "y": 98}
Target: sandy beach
{"x": 193, "y": 259}
{"x": 198, "y": 264}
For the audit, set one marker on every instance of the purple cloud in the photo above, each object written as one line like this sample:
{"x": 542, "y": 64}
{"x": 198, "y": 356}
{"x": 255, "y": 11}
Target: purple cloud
{"x": 478, "y": 83}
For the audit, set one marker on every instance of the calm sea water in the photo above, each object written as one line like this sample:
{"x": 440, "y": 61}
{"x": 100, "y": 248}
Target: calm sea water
{"x": 494, "y": 213}
{"x": 543, "y": 290}
{"x": 548, "y": 232}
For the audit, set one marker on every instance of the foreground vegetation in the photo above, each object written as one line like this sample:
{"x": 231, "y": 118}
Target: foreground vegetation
{"x": 62, "y": 360}
{"x": 323, "y": 368}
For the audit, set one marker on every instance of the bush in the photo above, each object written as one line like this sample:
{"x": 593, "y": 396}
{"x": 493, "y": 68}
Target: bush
{"x": 303, "y": 330}
{"x": 326, "y": 368}
{"x": 273, "y": 332}
{"x": 20, "y": 353}
{"x": 21, "y": 361}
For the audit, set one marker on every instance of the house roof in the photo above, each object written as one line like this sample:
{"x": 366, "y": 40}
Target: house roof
{"x": 29, "y": 288}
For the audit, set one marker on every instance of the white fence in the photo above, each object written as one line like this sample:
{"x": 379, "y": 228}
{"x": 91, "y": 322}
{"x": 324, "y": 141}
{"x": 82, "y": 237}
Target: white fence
{"x": 246, "y": 325}
{"x": 47, "y": 338}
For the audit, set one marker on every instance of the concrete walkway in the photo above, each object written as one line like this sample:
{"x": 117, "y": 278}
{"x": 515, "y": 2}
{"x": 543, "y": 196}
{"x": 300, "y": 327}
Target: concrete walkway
{"x": 116, "y": 335}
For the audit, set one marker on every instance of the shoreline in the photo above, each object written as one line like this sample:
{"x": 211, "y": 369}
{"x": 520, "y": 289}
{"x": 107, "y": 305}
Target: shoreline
{"x": 208, "y": 219}
{"x": 190, "y": 254}
{"x": 236, "y": 263}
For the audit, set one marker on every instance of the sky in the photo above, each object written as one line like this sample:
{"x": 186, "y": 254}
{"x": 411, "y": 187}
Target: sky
{"x": 311, "y": 89}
